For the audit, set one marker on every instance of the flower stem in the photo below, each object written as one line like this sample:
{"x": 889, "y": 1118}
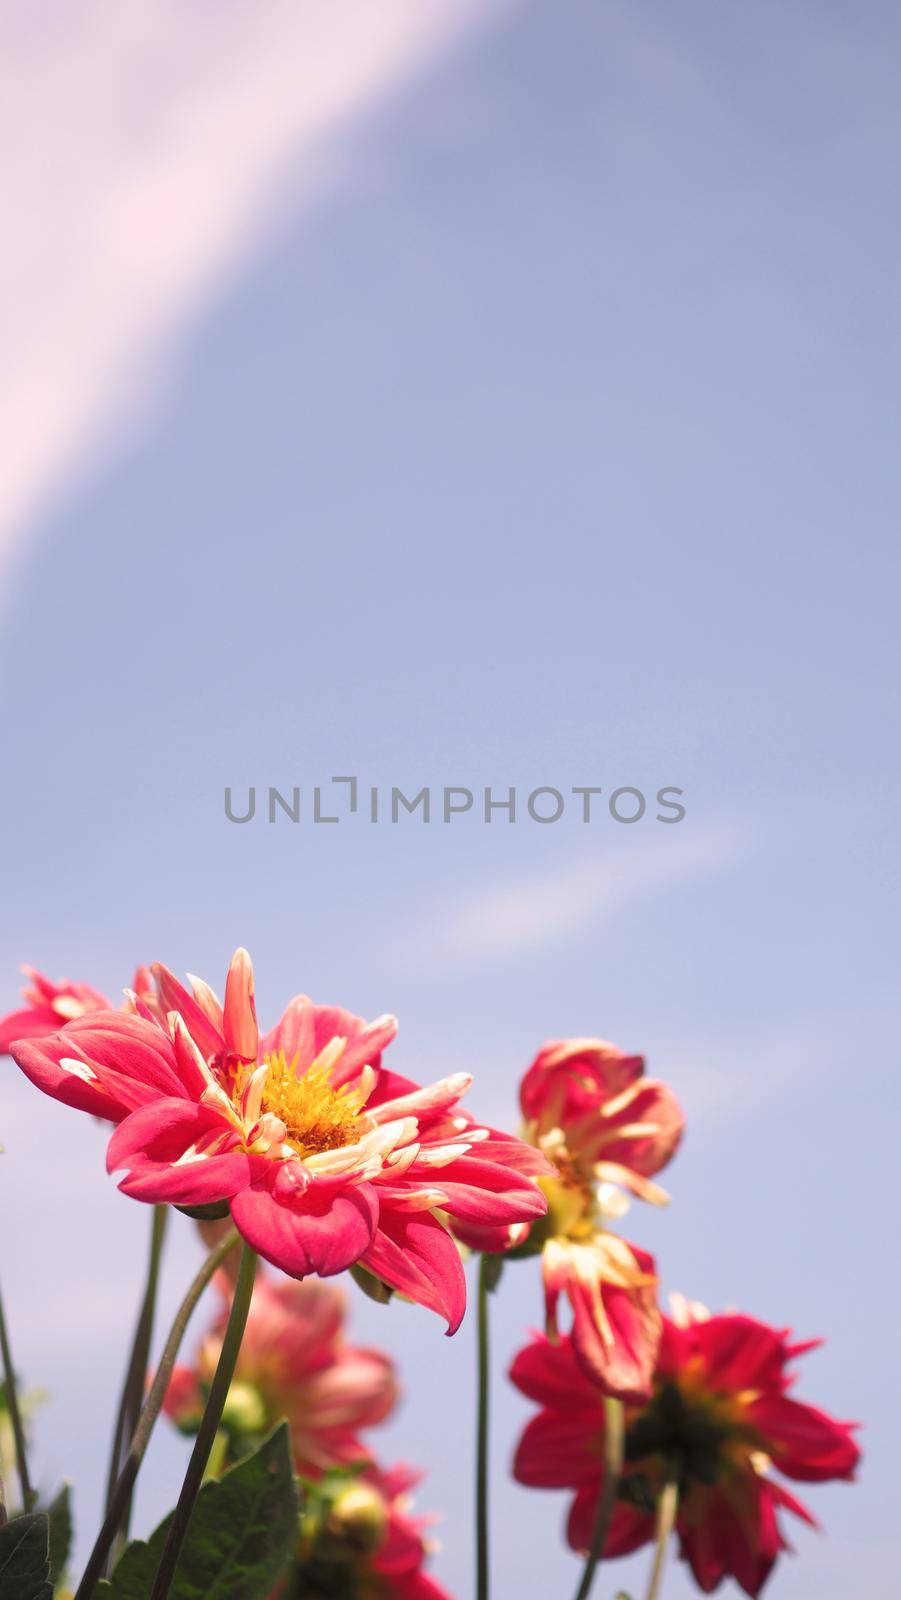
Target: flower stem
{"x": 150, "y": 1411}
{"x": 614, "y": 1447}
{"x": 209, "y": 1425}
{"x": 15, "y": 1415}
{"x": 132, "y": 1395}
{"x": 667, "y": 1507}
{"x": 482, "y": 1569}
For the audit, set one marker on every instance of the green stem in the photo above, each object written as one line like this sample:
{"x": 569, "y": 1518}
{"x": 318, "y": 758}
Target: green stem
{"x": 614, "y": 1447}
{"x": 482, "y": 1568}
{"x": 151, "y": 1410}
{"x": 209, "y": 1425}
{"x": 132, "y": 1396}
{"x": 667, "y": 1507}
{"x": 15, "y": 1415}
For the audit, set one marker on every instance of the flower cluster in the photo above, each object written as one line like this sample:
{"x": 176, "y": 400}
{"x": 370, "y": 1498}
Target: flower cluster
{"x": 300, "y": 1145}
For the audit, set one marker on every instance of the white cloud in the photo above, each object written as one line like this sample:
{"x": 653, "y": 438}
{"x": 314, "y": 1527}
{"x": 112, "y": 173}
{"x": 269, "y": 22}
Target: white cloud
{"x": 144, "y": 144}
{"x": 512, "y": 917}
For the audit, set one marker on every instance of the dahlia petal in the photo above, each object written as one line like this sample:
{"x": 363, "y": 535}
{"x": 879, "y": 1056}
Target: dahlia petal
{"x": 208, "y": 1001}
{"x": 172, "y": 1125}
{"x": 189, "y": 1062}
{"x": 644, "y": 1136}
{"x": 173, "y": 996}
{"x": 162, "y": 1145}
{"x": 740, "y": 1353}
{"x": 364, "y": 1047}
{"x": 239, "y": 1019}
{"x": 490, "y": 1241}
{"x": 804, "y": 1442}
{"x": 699, "y": 1543}
{"x": 433, "y": 1100}
{"x": 306, "y": 1029}
{"x": 559, "y": 1451}
{"x": 420, "y": 1586}
{"x": 616, "y": 1172}
{"x": 296, "y": 1324}
{"x": 389, "y": 1086}
{"x": 33, "y": 1023}
{"x": 294, "y": 1033}
{"x": 738, "y": 1536}
{"x": 357, "y": 1390}
{"x": 40, "y": 1060}
{"x": 142, "y": 983}
{"x": 134, "y": 1059}
{"x": 415, "y": 1254}
{"x": 616, "y": 1329}
{"x": 506, "y": 1150}
{"x": 579, "y": 1071}
{"x": 184, "y": 1401}
{"x": 789, "y": 1502}
{"x": 550, "y": 1374}
{"x": 317, "y": 1230}
{"x": 629, "y": 1527}
{"x": 65, "y": 999}
{"x": 200, "y": 1182}
{"x": 131, "y": 1062}
{"x": 479, "y": 1192}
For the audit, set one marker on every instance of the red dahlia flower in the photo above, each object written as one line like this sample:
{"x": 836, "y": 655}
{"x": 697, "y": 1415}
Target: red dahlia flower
{"x": 50, "y": 1005}
{"x": 293, "y": 1363}
{"x": 604, "y": 1127}
{"x": 719, "y": 1421}
{"x": 324, "y": 1158}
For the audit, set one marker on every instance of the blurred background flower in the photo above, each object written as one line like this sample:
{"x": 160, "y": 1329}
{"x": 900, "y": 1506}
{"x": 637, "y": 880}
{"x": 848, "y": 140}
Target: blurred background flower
{"x": 294, "y": 1363}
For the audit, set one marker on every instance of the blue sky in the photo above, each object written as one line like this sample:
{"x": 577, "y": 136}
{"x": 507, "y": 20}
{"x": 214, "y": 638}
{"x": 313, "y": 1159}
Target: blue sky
{"x": 545, "y": 438}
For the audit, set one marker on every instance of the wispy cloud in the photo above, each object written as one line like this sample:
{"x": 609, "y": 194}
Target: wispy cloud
{"x": 145, "y": 146}
{"x": 509, "y": 918}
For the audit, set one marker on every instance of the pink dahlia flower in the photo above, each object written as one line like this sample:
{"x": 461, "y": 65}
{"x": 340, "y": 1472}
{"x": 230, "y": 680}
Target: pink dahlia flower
{"x": 50, "y": 1005}
{"x": 294, "y": 1363}
{"x": 324, "y": 1157}
{"x": 720, "y": 1422}
{"x": 604, "y": 1128}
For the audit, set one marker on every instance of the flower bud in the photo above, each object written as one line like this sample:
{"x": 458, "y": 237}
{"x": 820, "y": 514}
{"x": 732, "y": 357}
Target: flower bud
{"x": 359, "y": 1516}
{"x": 244, "y": 1410}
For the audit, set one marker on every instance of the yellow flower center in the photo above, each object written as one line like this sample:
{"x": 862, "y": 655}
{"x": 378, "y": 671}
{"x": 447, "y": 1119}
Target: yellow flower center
{"x": 316, "y": 1115}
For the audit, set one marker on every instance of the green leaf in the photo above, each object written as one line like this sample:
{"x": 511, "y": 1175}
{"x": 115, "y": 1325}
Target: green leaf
{"x": 242, "y": 1534}
{"x": 59, "y": 1513}
{"x": 215, "y": 1211}
{"x": 25, "y": 1558}
{"x": 371, "y": 1285}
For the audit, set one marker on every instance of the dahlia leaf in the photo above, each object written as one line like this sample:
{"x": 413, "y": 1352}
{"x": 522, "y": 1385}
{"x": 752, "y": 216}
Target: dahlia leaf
{"x": 372, "y": 1286}
{"x": 242, "y": 1534}
{"x": 25, "y": 1558}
